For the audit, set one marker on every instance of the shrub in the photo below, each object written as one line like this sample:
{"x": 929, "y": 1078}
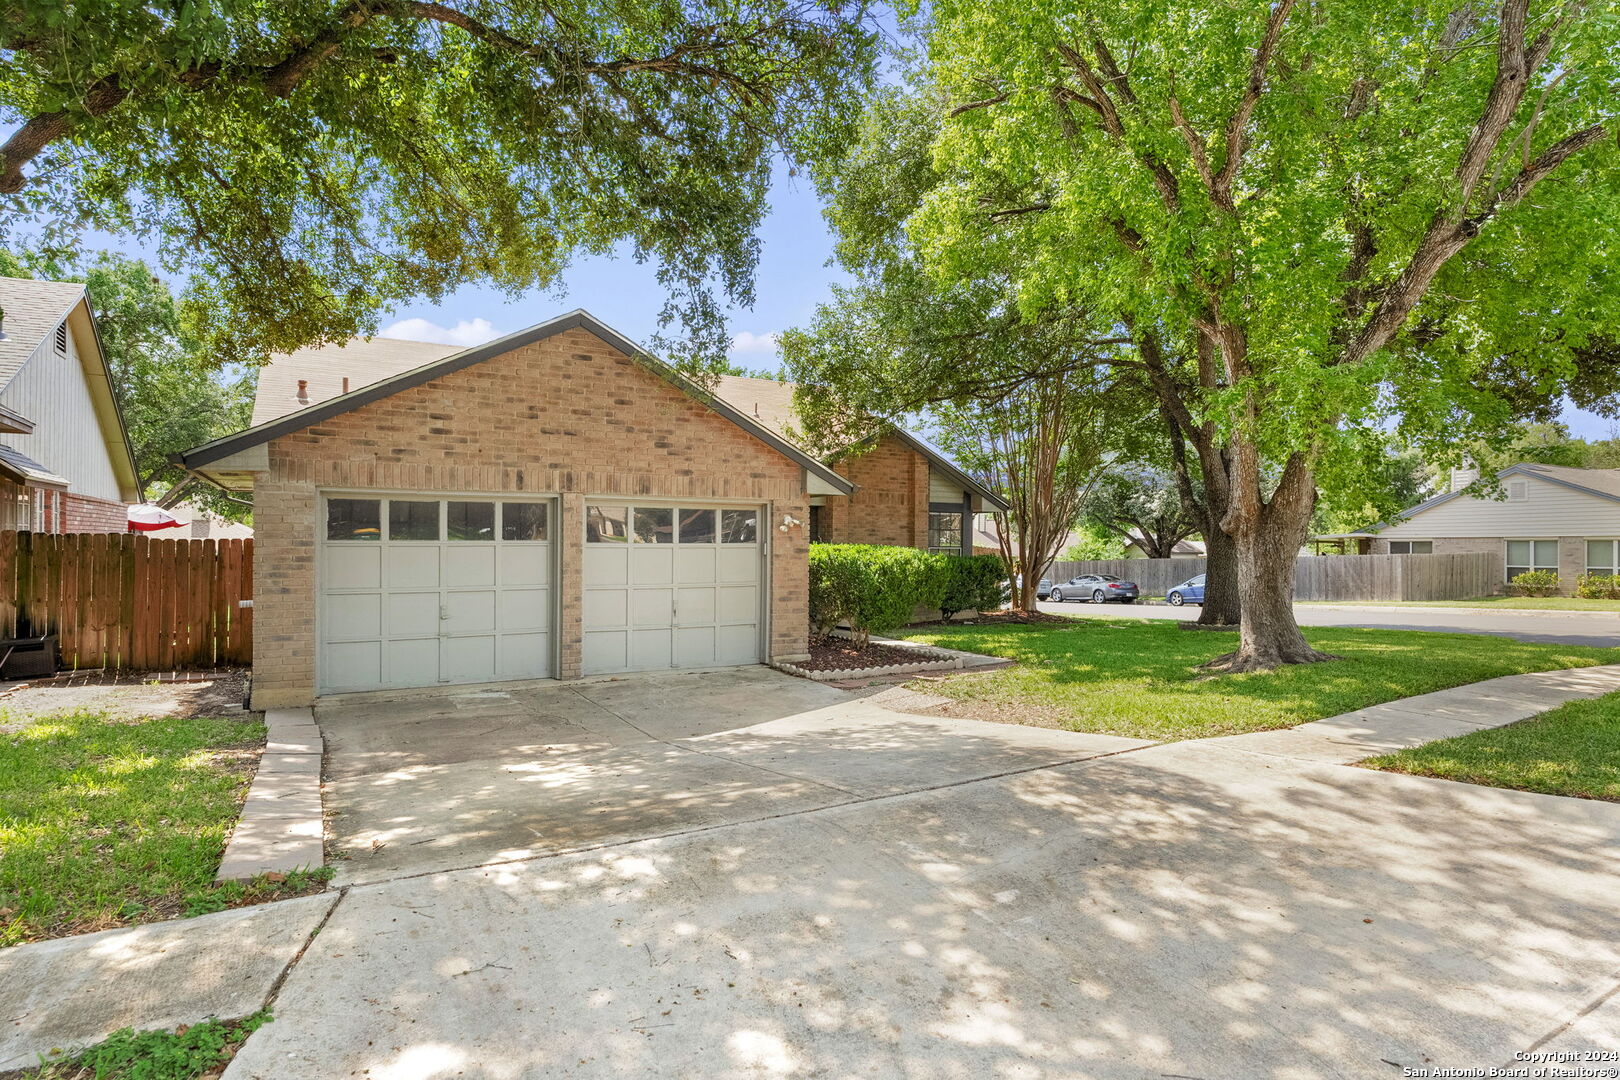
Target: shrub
{"x": 1534, "y": 583}
{"x": 1598, "y": 586}
{"x": 976, "y": 584}
{"x": 875, "y": 589}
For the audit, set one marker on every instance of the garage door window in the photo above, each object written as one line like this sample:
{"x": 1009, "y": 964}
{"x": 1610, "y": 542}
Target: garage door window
{"x": 606, "y": 525}
{"x": 408, "y": 520}
{"x": 697, "y": 526}
{"x": 353, "y": 519}
{"x": 523, "y": 521}
{"x": 471, "y": 520}
{"x": 739, "y": 526}
{"x": 653, "y": 525}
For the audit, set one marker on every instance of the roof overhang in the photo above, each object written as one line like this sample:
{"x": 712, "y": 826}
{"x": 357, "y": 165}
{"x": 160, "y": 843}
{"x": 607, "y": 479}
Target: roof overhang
{"x": 222, "y": 460}
{"x": 13, "y": 422}
{"x": 98, "y": 377}
{"x": 19, "y": 468}
{"x": 1523, "y": 468}
{"x": 992, "y": 501}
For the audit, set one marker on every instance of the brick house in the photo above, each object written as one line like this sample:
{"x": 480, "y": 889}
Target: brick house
{"x": 553, "y": 504}
{"x": 1554, "y": 518}
{"x": 65, "y": 461}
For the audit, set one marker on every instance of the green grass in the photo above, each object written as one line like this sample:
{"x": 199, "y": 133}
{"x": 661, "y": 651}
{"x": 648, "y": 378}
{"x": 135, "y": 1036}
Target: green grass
{"x": 1141, "y": 678}
{"x": 109, "y": 822}
{"x": 185, "y": 1054}
{"x": 1495, "y": 603}
{"x": 1571, "y": 750}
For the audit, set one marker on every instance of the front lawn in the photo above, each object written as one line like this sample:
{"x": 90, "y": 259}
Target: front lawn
{"x": 1571, "y": 750}
{"x": 105, "y": 822}
{"x": 1140, "y": 678}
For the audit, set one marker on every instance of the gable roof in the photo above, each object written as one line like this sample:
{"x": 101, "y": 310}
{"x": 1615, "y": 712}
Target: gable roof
{"x": 580, "y": 319}
{"x": 770, "y": 401}
{"x": 33, "y": 311}
{"x": 325, "y": 369}
{"x": 1603, "y": 483}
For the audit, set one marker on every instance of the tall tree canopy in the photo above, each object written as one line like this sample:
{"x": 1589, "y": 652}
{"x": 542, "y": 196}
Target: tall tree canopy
{"x": 1316, "y": 222}
{"x": 313, "y": 161}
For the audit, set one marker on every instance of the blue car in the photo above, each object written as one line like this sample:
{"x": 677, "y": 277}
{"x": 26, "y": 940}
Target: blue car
{"x": 1190, "y": 591}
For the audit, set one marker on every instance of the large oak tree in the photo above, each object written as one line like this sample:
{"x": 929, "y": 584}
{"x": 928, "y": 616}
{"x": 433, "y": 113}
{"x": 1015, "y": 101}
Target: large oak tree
{"x": 1316, "y": 222}
{"x": 313, "y": 161}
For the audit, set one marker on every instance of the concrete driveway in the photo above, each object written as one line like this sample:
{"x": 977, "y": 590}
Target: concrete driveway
{"x": 1600, "y": 628}
{"x": 850, "y": 891}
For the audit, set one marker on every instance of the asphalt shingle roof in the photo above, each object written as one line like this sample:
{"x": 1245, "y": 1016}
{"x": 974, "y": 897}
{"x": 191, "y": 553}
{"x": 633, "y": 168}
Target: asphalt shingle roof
{"x": 33, "y": 311}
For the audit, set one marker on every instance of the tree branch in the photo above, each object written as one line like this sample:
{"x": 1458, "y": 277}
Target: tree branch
{"x": 1237, "y": 128}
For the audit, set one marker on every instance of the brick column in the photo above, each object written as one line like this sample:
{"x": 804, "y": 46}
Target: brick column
{"x": 919, "y": 501}
{"x": 1571, "y": 562}
{"x": 570, "y": 541}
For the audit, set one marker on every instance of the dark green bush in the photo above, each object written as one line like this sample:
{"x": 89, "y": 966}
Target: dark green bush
{"x": 1534, "y": 583}
{"x": 876, "y": 589}
{"x": 976, "y": 584}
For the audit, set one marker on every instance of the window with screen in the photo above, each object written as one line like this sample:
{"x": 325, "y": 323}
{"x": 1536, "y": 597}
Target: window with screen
{"x": 945, "y": 532}
{"x": 1524, "y": 556}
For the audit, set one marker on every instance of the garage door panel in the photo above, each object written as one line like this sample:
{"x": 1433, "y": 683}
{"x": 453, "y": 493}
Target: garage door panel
{"x": 523, "y": 564}
{"x": 604, "y": 565}
{"x": 524, "y": 656}
{"x": 524, "y": 609}
{"x": 412, "y": 614}
{"x": 360, "y": 662}
{"x": 412, "y": 566}
{"x": 469, "y": 612}
{"x": 412, "y": 662}
{"x": 694, "y": 565}
{"x": 469, "y": 563}
{"x": 606, "y": 608}
{"x": 355, "y": 566}
{"x": 606, "y": 650}
{"x": 651, "y": 607}
{"x": 650, "y": 649}
{"x": 694, "y": 605}
{"x": 737, "y": 603}
{"x": 736, "y": 644}
{"x": 354, "y": 616}
{"x": 469, "y": 659}
{"x": 738, "y": 562}
{"x": 650, "y": 565}
{"x": 694, "y": 646}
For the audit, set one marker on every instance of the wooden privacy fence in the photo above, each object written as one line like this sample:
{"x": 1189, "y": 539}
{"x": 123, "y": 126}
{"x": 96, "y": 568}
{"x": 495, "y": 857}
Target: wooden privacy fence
{"x": 118, "y": 600}
{"x": 1330, "y": 577}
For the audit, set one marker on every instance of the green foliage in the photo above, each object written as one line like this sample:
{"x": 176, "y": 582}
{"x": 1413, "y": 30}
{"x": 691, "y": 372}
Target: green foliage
{"x": 1597, "y": 586}
{"x": 185, "y": 1054}
{"x": 313, "y": 162}
{"x": 1534, "y": 583}
{"x": 874, "y": 588}
{"x": 1141, "y": 504}
{"x": 975, "y": 583}
{"x": 1094, "y": 544}
{"x": 107, "y": 820}
{"x": 1142, "y": 678}
{"x": 172, "y": 394}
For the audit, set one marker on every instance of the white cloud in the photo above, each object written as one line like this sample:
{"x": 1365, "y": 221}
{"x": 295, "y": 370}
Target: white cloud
{"x": 467, "y": 332}
{"x": 749, "y": 343}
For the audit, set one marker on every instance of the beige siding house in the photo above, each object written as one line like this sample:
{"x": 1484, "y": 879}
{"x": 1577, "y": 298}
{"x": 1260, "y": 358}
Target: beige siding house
{"x": 65, "y": 461}
{"x": 1553, "y": 518}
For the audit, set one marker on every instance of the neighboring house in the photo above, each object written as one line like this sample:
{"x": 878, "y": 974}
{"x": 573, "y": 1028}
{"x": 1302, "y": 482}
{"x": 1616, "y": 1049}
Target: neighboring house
{"x": 65, "y": 461}
{"x": 554, "y": 503}
{"x": 200, "y": 524}
{"x": 1184, "y": 549}
{"x": 1554, "y": 518}
{"x": 907, "y": 493}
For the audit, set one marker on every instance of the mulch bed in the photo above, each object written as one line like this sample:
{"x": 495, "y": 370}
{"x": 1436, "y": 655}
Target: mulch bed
{"x": 1004, "y": 617}
{"x": 841, "y": 654}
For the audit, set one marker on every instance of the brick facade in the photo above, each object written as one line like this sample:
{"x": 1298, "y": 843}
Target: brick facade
{"x": 85, "y": 513}
{"x": 890, "y": 504}
{"x": 569, "y": 416}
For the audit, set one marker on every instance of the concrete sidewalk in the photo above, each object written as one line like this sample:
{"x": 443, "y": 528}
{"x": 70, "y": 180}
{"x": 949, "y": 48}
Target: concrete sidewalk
{"x": 1413, "y": 721}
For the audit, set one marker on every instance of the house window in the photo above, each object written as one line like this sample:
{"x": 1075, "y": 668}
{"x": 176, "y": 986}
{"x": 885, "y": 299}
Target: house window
{"x": 1411, "y": 547}
{"x": 818, "y": 524}
{"x": 1602, "y": 556}
{"x": 945, "y": 532}
{"x": 1526, "y": 555}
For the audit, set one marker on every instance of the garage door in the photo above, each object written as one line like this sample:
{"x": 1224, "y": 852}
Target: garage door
{"x": 420, "y": 590}
{"x": 670, "y": 586}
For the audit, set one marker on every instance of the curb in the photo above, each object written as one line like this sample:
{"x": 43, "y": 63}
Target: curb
{"x": 281, "y": 828}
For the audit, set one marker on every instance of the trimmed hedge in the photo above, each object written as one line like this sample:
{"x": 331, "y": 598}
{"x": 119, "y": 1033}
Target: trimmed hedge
{"x": 876, "y": 589}
{"x": 1534, "y": 583}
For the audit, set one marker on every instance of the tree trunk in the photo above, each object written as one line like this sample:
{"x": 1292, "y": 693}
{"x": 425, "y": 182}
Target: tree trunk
{"x": 1267, "y": 543}
{"x": 1221, "y": 607}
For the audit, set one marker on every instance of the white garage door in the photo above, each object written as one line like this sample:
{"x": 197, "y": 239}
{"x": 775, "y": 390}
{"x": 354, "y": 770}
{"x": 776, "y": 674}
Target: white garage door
{"x": 419, "y": 590}
{"x": 670, "y": 586}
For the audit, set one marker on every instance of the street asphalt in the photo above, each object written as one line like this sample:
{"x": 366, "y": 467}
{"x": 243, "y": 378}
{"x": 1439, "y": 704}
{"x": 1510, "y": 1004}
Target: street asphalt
{"x": 1600, "y": 628}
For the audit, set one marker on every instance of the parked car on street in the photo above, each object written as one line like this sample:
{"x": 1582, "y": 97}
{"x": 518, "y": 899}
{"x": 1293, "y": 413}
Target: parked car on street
{"x": 1098, "y": 588}
{"x": 1190, "y": 591}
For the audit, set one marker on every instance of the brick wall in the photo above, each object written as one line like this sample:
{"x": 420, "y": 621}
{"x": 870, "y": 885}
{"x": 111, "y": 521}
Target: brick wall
{"x": 568, "y": 415}
{"x": 1571, "y": 553}
{"x": 890, "y": 505}
{"x": 85, "y": 513}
